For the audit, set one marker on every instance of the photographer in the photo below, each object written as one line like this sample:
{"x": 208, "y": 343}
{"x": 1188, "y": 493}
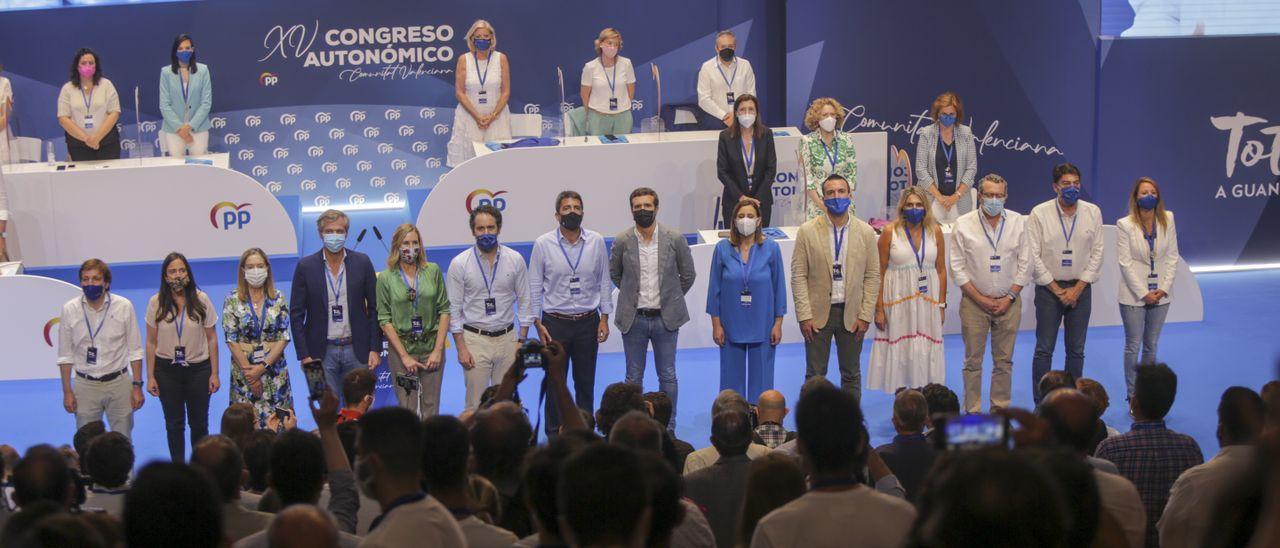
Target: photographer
{"x": 553, "y": 359}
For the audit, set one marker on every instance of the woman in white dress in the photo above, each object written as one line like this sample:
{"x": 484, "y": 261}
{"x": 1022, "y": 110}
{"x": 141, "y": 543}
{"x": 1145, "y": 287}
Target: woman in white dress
{"x": 482, "y": 84}
{"x": 913, "y": 275}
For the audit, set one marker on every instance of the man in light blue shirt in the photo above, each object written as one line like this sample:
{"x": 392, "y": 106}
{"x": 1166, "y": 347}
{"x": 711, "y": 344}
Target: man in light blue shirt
{"x": 570, "y": 289}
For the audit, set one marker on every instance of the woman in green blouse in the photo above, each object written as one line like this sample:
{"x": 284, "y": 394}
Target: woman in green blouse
{"x": 824, "y": 151}
{"x": 412, "y": 308}
{"x": 255, "y": 319}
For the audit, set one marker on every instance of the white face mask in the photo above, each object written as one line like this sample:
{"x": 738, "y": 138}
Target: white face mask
{"x": 747, "y": 225}
{"x": 828, "y": 123}
{"x": 609, "y": 51}
{"x": 747, "y": 120}
{"x": 255, "y": 276}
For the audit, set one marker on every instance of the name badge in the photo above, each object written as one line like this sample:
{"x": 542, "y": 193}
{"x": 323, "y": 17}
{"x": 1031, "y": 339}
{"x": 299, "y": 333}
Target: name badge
{"x": 744, "y": 298}
{"x": 1066, "y": 258}
{"x": 995, "y": 263}
{"x": 483, "y": 99}
{"x": 1153, "y": 281}
{"x": 259, "y": 355}
{"x": 490, "y": 306}
{"x": 613, "y": 103}
{"x": 923, "y": 284}
{"x": 91, "y": 356}
{"x": 335, "y": 313}
{"x": 415, "y": 325}
{"x": 180, "y": 355}
{"x": 575, "y": 286}
{"x": 728, "y": 97}
{"x": 88, "y": 121}
{"x": 995, "y": 268}
{"x": 837, "y": 272}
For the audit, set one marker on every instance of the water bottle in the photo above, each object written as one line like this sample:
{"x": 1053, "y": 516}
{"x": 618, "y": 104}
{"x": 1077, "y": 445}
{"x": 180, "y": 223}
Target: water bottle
{"x": 49, "y": 153}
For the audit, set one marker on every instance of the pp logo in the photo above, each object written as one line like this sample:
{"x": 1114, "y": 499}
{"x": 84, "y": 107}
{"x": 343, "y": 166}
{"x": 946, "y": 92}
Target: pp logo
{"x": 385, "y": 148}
{"x": 308, "y": 184}
{"x": 48, "y": 330}
{"x": 357, "y": 116}
{"x": 267, "y": 137}
{"x": 399, "y": 164}
{"x": 391, "y": 198}
{"x": 440, "y": 129}
{"x": 637, "y": 104}
{"x": 315, "y": 151}
{"x": 546, "y": 124}
{"x": 377, "y": 182}
{"x": 328, "y": 167}
{"x": 288, "y": 119}
{"x": 356, "y": 199}
{"x": 280, "y": 153}
{"x": 323, "y": 117}
{"x": 482, "y": 196}
{"x": 148, "y": 126}
{"x": 350, "y": 150}
{"x": 565, "y": 107}
{"x": 364, "y": 165}
{"x": 412, "y": 180}
{"x": 302, "y": 135}
{"x": 342, "y": 183}
{"x": 419, "y": 146}
{"x": 246, "y": 154}
{"x": 274, "y": 187}
{"x": 260, "y": 171}
{"x": 433, "y": 162}
{"x": 128, "y": 144}
{"x": 392, "y": 114}
{"x": 427, "y": 113}
{"x": 231, "y": 214}
{"x": 371, "y": 132}
{"x": 405, "y": 130}
{"x": 218, "y": 122}
{"x": 268, "y": 79}
{"x": 322, "y": 201}
{"x": 294, "y": 169}
{"x": 231, "y": 138}
{"x": 252, "y": 120}
{"x": 532, "y": 108}
{"x": 337, "y": 133}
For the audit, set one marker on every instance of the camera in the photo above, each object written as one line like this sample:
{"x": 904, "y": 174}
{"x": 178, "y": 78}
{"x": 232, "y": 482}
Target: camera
{"x": 409, "y": 383}
{"x": 530, "y": 355}
{"x": 975, "y": 431}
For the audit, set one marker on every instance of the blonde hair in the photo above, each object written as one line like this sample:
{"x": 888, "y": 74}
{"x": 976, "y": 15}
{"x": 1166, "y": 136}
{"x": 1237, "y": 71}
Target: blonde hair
{"x": 736, "y": 237}
{"x": 402, "y": 231}
{"x": 929, "y": 223}
{"x": 482, "y": 24}
{"x": 944, "y": 100}
{"x": 1159, "y": 212}
{"x": 606, "y": 34}
{"x": 812, "y": 116}
{"x": 242, "y": 286}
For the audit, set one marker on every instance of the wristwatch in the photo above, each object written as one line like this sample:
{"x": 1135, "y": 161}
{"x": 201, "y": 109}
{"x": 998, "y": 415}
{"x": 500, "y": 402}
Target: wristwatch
{"x": 1013, "y": 297}
{"x": 139, "y": 384}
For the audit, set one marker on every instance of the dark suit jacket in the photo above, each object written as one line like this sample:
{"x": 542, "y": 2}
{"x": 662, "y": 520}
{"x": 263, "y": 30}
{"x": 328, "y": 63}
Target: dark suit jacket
{"x": 731, "y": 169}
{"x": 909, "y": 458}
{"x": 721, "y": 489}
{"x": 309, "y": 306}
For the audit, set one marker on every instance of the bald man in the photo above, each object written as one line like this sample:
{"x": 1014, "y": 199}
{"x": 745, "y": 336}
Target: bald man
{"x": 770, "y": 413}
{"x": 303, "y": 526}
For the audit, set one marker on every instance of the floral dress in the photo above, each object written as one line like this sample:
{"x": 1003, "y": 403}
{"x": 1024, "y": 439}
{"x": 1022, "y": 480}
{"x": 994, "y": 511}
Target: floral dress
{"x": 243, "y": 328}
{"x": 816, "y": 157}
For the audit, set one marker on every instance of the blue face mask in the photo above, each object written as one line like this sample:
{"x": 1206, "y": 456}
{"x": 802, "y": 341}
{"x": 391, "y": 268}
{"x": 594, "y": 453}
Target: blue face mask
{"x": 335, "y": 242}
{"x": 486, "y": 242}
{"x": 1148, "y": 202}
{"x": 993, "y": 206}
{"x": 837, "y": 206}
{"x": 184, "y": 57}
{"x": 482, "y": 44}
{"x": 1070, "y": 195}
{"x": 914, "y": 215}
{"x": 93, "y": 292}
{"x": 947, "y": 120}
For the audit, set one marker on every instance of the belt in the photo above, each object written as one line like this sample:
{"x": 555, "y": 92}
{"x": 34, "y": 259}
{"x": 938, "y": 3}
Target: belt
{"x": 569, "y": 317}
{"x": 497, "y": 333}
{"x": 1066, "y": 282}
{"x": 649, "y": 312}
{"x": 105, "y": 378}
{"x": 345, "y": 341}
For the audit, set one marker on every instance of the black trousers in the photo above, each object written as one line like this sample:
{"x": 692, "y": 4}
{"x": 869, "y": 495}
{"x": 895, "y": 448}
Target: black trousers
{"x": 184, "y": 396}
{"x": 108, "y": 148}
{"x": 579, "y": 340}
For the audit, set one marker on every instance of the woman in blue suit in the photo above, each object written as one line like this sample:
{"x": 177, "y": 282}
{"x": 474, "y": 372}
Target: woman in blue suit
{"x": 186, "y": 99}
{"x": 747, "y": 298}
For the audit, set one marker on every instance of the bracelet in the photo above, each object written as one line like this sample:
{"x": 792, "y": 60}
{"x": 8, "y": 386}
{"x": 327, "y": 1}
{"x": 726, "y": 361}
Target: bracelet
{"x": 138, "y": 384}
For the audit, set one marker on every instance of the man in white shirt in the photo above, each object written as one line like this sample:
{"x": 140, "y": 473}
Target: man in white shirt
{"x": 570, "y": 290}
{"x": 991, "y": 264}
{"x": 1187, "y": 516}
{"x": 98, "y": 340}
{"x": 485, "y": 283}
{"x": 838, "y": 510}
{"x": 1065, "y": 236}
{"x": 722, "y": 79}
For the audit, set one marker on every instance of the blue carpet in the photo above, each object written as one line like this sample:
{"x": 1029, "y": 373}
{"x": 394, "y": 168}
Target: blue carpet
{"x": 1236, "y": 344}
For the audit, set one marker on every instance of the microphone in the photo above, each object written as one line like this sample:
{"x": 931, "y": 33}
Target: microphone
{"x": 378, "y": 234}
{"x": 359, "y": 238}
{"x": 137, "y": 121}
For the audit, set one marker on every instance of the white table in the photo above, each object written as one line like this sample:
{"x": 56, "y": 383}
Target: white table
{"x": 138, "y": 210}
{"x": 680, "y": 166}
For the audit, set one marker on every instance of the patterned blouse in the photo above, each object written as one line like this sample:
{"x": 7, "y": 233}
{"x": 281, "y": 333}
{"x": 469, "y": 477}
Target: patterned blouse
{"x": 816, "y": 158}
{"x": 241, "y": 326}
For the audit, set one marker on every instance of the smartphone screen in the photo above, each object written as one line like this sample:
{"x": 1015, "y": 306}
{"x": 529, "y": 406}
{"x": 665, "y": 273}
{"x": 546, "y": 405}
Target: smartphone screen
{"x": 315, "y": 380}
{"x": 977, "y": 431}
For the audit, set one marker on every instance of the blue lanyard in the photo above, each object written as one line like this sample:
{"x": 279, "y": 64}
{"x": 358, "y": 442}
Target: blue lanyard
{"x": 573, "y": 266}
{"x": 482, "y": 74}
{"x": 186, "y": 85}
{"x": 180, "y": 321}
{"x": 947, "y": 150}
{"x": 1151, "y": 243}
{"x": 93, "y": 333}
{"x": 259, "y": 323}
{"x": 493, "y": 277}
{"x": 1066, "y": 235}
{"x": 839, "y": 241}
{"x": 88, "y": 99}
{"x": 746, "y": 267}
{"x": 832, "y": 152}
{"x": 415, "y": 285}
{"x": 749, "y": 159}
{"x": 612, "y": 83}
{"x": 336, "y": 287}
{"x": 728, "y": 80}
{"x": 919, "y": 256}
{"x": 996, "y": 243}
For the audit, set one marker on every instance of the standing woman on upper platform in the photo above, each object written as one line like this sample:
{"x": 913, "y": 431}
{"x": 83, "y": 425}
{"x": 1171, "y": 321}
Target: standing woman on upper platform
{"x": 186, "y": 99}
{"x": 826, "y": 150}
{"x": 482, "y": 84}
{"x": 88, "y": 108}
{"x": 608, "y": 84}
{"x": 946, "y": 159}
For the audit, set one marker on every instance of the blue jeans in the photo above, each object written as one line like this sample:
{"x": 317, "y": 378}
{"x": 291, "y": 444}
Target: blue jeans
{"x": 338, "y": 361}
{"x": 1049, "y": 313}
{"x": 747, "y": 368}
{"x": 1142, "y": 324}
{"x": 635, "y": 343}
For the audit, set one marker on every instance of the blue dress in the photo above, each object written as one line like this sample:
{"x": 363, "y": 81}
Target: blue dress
{"x": 767, "y": 282}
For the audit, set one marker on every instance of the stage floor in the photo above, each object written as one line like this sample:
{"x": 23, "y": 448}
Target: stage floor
{"x": 1234, "y": 345}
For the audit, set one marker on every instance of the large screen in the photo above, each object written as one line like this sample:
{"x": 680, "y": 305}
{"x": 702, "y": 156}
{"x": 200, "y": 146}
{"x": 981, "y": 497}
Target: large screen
{"x": 1138, "y": 18}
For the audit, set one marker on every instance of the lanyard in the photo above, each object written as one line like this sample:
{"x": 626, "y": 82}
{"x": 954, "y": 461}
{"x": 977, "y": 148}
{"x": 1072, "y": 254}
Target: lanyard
{"x": 336, "y": 287}
{"x": 995, "y": 244}
{"x": 1066, "y": 235}
{"x": 186, "y": 86}
{"x": 414, "y": 289}
{"x": 947, "y": 150}
{"x": 746, "y": 267}
{"x": 919, "y": 256}
{"x": 88, "y": 99}
{"x": 484, "y": 74}
{"x": 1151, "y": 244}
{"x": 180, "y": 321}
{"x": 492, "y": 278}
{"x": 728, "y": 80}
{"x": 573, "y": 266}
{"x": 839, "y": 241}
{"x": 259, "y": 323}
{"x": 612, "y": 83}
{"x": 93, "y": 333}
{"x": 749, "y": 158}
{"x": 832, "y": 152}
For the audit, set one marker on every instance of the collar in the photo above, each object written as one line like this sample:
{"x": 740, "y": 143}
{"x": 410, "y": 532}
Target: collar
{"x": 733, "y": 458}
{"x": 640, "y": 237}
{"x": 848, "y": 219}
{"x": 582, "y": 236}
{"x": 900, "y": 438}
{"x": 407, "y": 499}
{"x": 770, "y": 423}
{"x": 1148, "y": 425}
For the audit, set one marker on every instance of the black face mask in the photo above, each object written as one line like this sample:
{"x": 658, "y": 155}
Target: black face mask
{"x": 726, "y": 54}
{"x": 571, "y": 221}
{"x": 644, "y": 217}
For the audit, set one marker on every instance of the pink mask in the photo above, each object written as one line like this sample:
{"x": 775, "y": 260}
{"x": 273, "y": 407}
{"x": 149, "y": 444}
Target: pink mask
{"x": 86, "y": 71}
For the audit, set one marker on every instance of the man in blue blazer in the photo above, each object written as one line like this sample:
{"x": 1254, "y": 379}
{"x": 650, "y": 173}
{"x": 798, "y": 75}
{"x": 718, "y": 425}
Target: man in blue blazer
{"x": 333, "y": 310}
